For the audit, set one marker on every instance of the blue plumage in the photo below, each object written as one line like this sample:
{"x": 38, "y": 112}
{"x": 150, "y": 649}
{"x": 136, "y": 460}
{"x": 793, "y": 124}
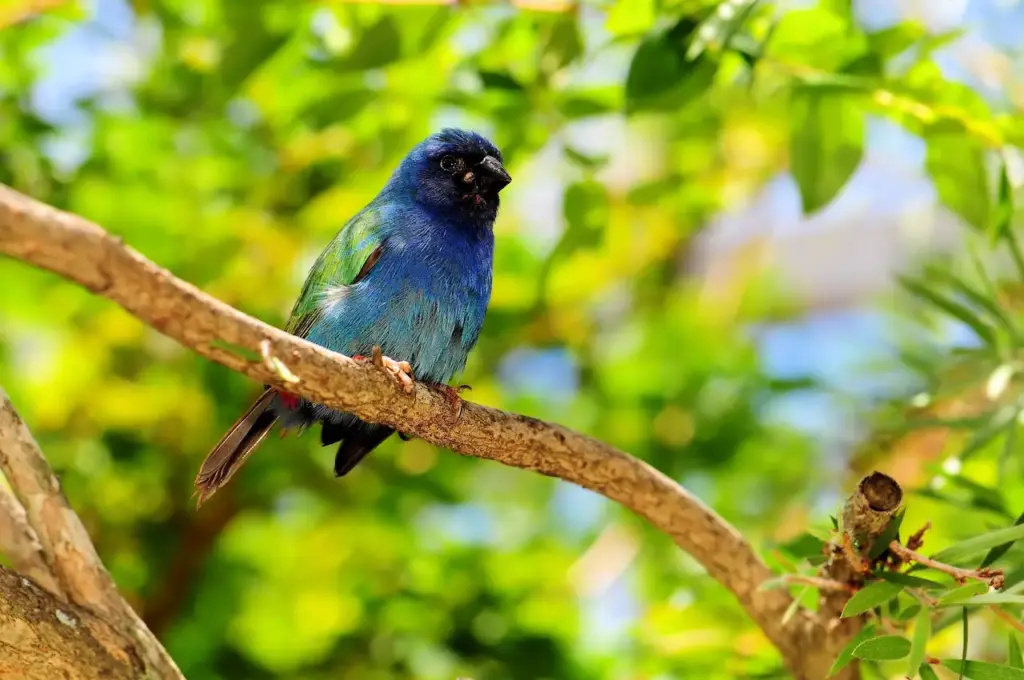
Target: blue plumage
{"x": 410, "y": 273}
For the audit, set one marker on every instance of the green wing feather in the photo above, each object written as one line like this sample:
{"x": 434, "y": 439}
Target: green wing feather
{"x": 345, "y": 260}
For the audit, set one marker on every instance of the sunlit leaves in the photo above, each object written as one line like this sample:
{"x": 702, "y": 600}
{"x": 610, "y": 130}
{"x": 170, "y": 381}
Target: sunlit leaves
{"x": 975, "y": 545}
{"x": 956, "y": 163}
{"x": 826, "y": 144}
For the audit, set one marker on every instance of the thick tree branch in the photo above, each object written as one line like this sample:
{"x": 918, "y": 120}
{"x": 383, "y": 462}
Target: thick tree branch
{"x": 43, "y": 638}
{"x": 18, "y": 541}
{"x": 84, "y": 253}
{"x": 68, "y": 552}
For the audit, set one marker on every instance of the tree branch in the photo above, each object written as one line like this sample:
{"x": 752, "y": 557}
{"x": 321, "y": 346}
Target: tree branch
{"x": 84, "y": 253}
{"x": 21, "y": 545}
{"x": 43, "y": 638}
{"x": 68, "y": 552}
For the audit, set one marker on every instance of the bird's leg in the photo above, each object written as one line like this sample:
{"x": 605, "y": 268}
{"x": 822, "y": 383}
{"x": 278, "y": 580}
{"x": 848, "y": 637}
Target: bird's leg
{"x": 401, "y": 370}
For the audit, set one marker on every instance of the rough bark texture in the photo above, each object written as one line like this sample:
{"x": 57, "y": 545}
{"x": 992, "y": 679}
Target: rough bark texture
{"x": 43, "y": 638}
{"x": 84, "y": 253}
{"x": 64, "y": 551}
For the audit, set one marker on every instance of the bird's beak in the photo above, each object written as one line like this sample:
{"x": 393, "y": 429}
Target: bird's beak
{"x": 493, "y": 173}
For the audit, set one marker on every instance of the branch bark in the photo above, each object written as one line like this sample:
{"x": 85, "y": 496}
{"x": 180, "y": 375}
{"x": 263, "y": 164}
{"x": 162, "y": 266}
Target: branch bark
{"x": 84, "y": 253}
{"x": 74, "y": 571}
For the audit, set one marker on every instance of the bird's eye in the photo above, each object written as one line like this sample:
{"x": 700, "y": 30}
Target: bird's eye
{"x": 449, "y": 163}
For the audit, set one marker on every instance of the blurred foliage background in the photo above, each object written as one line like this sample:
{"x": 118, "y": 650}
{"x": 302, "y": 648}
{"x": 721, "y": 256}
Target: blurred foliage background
{"x": 697, "y": 262}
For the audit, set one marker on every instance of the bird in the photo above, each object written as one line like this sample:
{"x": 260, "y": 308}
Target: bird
{"x": 405, "y": 283}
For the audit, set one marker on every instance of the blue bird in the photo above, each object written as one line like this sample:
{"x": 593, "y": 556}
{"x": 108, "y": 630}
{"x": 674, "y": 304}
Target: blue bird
{"x": 408, "y": 277}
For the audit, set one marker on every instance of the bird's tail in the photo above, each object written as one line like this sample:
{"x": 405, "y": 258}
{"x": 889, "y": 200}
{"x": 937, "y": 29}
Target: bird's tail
{"x": 234, "y": 447}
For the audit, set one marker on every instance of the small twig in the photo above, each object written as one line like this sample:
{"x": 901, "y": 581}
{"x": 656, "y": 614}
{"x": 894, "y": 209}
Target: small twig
{"x": 275, "y": 365}
{"x": 1009, "y": 618}
{"x": 993, "y": 577}
{"x": 916, "y": 540}
{"x": 21, "y": 545}
{"x": 819, "y": 583}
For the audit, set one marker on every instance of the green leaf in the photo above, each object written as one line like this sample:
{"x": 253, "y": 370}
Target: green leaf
{"x": 956, "y": 163}
{"x": 378, "y": 46}
{"x": 888, "y": 535}
{"x": 982, "y": 670}
{"x": 871, "y": 596}
{"x": 846, "y": 656}
{"x": 1002, "y": 216}
{"x": 661, "y": 77}
{"x": 826, "y": 143}
{"x": 951, "y": 307}
{"x": 885, "y": 648}
{"x": 1000, "y": 550}
{"x": 804, "y": 545}
{"x": 895, "y": 40}
{"x": 963, "y": 550}
{"x": 717, "y": 30}
{"x": 585, "y": 207}
{"x": 565, "y": 44}
{"x": 1014, "y": 657}
{"x": 499, "y": 80}
{"x": 909, "y": 613}
{"x": 927, "y": 672}
{"x": 993, "y": 598}
{"x": 964, "y": 592}
{"x": 922, "y": 633}
{"x": 908, "y": 580}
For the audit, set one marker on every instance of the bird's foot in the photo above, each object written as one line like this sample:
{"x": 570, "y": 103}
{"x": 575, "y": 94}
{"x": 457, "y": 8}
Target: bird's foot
{"x": 401, "y": 370}
{"x": 451, "y": 394}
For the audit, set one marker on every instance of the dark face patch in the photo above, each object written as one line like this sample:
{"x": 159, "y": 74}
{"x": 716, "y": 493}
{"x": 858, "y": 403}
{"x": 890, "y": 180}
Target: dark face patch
{"x": 462, "y": 172}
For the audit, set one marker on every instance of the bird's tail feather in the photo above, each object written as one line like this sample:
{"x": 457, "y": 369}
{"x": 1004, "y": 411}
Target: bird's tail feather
{"x": 235, "y": 447}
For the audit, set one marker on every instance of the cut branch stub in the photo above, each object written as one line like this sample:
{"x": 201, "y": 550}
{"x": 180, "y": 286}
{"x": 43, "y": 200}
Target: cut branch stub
{"x": 871, "y": 507}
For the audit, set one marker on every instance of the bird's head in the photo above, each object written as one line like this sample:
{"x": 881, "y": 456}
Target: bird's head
{"x": 457, "y": 172}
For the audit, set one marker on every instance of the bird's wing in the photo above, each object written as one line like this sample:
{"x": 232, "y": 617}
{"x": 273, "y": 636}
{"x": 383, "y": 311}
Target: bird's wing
{"x": 345, "y": 261}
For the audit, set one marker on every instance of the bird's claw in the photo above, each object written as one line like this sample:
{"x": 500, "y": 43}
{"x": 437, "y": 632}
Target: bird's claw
{"x": 451, "y": 394}
{"x": 401, "y": 370}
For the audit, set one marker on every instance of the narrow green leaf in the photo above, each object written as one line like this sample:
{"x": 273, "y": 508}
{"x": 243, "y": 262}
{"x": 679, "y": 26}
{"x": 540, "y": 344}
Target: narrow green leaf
{"x": 982, "y": 670}
{"x": 963, "y": 550}
{"x": 826, "y": 144}
{"x": 804, "y": 545}
{"x": 1003, "y": 214}
{"x": 927, "y": 672}
{"x": 956, "y": 163}
{"x": 794, "y": 605}
{"x": 889, "y": 533}
{"x": 1014, "y": 657}
{"x": 871, "y": 596}
{"x": 908, "y": 580}
{"x": 964, "y": 592}
{"x": 992, "y": 598}
{"x": 951, "y": 307}
{"x": 922, "y": 633}
{"x": 1000, "y": 550}
{"x": 884, "y": 648}
{"x": 846, "y": 656}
